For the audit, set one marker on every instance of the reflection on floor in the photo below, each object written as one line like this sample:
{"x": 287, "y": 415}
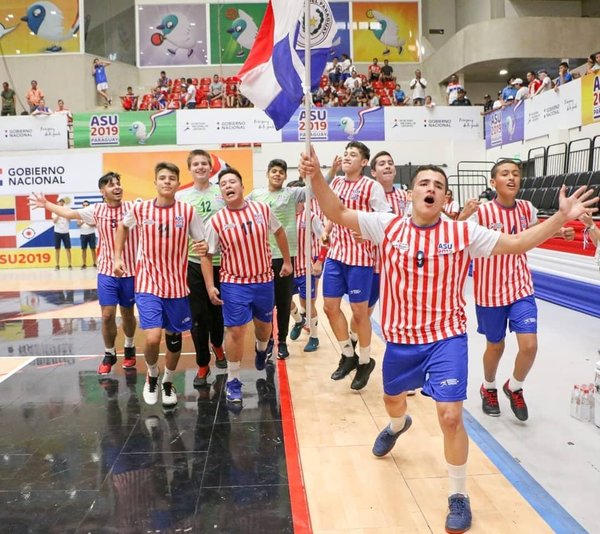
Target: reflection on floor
{"x": 87, "y": 454}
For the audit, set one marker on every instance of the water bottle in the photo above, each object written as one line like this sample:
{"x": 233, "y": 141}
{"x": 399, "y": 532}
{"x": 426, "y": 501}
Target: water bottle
{"x": 592, "y": 400}
{"x": 574, "y": 399}
{"x": 597, "y": 395}
{"x": 584, "y": 406}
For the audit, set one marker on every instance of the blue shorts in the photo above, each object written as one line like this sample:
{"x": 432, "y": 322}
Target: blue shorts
{"x": 374, "y": 297}
{"x": 173, "y": 315}
{"x": 300, "y": 286}
{"x": 88, "y": 240}
{"x": 440, "y": 368}
{"x": 113, "y": 290}
{"x": 243, "y": 302}
{"x": 65, "y": 239}
{"x": 521, "y": 317}
{"x": 340, "y": 279}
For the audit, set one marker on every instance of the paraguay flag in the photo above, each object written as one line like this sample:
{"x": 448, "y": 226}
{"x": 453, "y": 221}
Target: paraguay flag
{"x": 273, "y": 75}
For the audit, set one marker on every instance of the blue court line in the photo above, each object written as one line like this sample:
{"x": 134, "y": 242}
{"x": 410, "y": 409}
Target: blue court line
{"x": 549, "y": 509}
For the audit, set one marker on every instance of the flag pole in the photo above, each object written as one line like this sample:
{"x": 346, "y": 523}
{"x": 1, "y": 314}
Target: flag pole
{"x": 307, "y": 130}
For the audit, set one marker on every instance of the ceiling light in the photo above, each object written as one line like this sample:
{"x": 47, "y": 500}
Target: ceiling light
{"x": 503, "y": 72}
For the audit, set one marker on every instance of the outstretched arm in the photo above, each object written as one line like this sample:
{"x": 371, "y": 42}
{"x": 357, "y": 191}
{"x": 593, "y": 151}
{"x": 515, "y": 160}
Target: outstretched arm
{"x": 38, "y": 200}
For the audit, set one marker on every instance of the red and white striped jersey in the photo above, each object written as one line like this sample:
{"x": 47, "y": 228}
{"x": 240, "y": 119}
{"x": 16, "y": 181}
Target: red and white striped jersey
{"x": 243, "y": 237}
{"x": 423, "y": 274}
{"x": 107, "y": 219}
{"x": 398, "y": 200}
{"x": 365, "y": 194}
{"x": 161, "y": 267}
{"x": 317, "y": 232}
{"x": 503, "y": 279}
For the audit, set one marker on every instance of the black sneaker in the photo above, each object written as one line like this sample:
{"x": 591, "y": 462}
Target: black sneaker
{"x": 128, "y": 357}
{"x": 345, "y": 366}
{"x": 282, "y": 351}
{"x": 363, "y": 372}
{"x": 517, "y": 402}
{"x": 270, "y": 345}
{"x": 489, "y": 401}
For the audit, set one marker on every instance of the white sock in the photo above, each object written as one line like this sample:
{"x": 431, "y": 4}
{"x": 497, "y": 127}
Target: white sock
{"x": 233, "y": 371}
{"x": 489, "y": 385}
{"x": 129, "y": 342}
{"x": 261, "y": 346}
{"x": 296, "y": 315}
{"x": 314, "y": 327}
{"x": 346, "y": 348}
{"x": 169, "y": 375}
{"x": 364, "y": 354}
{"x": 458, "y": 479}
{"x": 353, "y": 336}
{"x": 514, "y": 384}
{"x": 110, "y": 351}
{"x": 397, "y": 423}
{"x": 153, "y": 370}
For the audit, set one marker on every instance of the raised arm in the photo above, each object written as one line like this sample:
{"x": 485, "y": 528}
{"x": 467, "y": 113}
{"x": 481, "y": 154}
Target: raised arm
{"x": 38, "y": 200}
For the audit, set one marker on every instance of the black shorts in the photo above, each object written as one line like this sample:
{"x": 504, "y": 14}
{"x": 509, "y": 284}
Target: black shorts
{"x": 88, "y": 240}
{"x": 65, "y": 239}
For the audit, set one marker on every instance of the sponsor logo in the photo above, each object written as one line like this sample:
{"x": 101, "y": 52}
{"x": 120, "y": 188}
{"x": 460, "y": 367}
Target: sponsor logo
{"x": 445, "y": 248}
{"x": 449, "y": 382}
{"x": 179, "y": 221}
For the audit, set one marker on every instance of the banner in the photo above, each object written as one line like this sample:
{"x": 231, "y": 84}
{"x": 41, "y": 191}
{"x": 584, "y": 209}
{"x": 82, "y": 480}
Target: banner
{"x": 132, "y": 128}
{"x": 336, "y": 124}
{"x": 505, "y": 126}
{"x": 590, "y": 98}
{"x": 418, "y": 123}
{"x": 171, "y": 34}
{"x": 246, "y": 125}
{"x": 553, "y": 110}
{"x": 40, "y": 132}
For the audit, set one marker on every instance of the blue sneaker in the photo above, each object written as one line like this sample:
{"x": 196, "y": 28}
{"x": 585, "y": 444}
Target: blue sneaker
{"x": 260, "y": 359}
{"x": 459, "y": 516}
{"x": 386, "y": 440}
{"x": 297, "y": 330}
{"x": 312, "y": 345}
{"x": 233, "y": 391}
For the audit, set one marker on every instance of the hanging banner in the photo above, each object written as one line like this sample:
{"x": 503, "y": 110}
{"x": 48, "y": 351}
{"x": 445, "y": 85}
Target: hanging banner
{"x": 505, "y": 126}
{"x": 40, "y": 132}
{"x": 590, "y": 98}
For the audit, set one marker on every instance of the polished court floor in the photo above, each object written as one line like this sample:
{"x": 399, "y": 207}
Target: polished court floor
{"x": 83, "y": 454}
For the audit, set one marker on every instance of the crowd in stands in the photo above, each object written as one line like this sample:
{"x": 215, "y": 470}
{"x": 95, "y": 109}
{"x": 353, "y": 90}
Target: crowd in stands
{"x": 36, "y": 102}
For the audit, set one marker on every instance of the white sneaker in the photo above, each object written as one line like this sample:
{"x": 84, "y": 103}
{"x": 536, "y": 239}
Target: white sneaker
{"x": 150, "y": 392}
{"x": 169, "y": 394}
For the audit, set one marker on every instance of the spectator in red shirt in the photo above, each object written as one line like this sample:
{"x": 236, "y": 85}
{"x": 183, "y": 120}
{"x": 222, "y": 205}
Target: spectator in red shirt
{"x": 533, "y": 83}
{"x": 374, "y": 71}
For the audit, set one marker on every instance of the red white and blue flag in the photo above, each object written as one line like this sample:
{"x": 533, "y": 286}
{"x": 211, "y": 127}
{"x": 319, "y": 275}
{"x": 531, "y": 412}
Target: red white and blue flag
{"x": 273, "y": 75}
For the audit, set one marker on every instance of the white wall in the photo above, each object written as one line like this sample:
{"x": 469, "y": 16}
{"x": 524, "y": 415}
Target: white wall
{"x": 439, "y": 14}
{"x": 542, "y": 8}
{"x": 472, "y": 11}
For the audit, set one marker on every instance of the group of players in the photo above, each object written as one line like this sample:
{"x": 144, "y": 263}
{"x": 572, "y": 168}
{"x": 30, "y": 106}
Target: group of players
{"x": 245, "y": 251}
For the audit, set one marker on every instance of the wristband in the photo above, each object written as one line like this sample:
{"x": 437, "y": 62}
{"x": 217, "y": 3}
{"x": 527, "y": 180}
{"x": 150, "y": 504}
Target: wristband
{"x": 322, "y": 254}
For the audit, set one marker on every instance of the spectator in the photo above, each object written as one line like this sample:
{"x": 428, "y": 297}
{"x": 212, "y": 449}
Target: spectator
{"x": 352, "y": 82}
{"x": 429, "y": 103}
{"x": 333, "y": 70}
{"x": 87, "y": 233}
{"x": 546, "y": 82}
{"x": 387, "y": 72}
{"x": 509, "y": 92}
{"x": 461, "y": 99}
{"x": 41, "y": 108}
{"x": 62, "y": 110}
{"x": 498, "y": 102}
{"x": 418, "y": 85}
{"x": 596, "y": 59}
{"x": 374, "y": 71}
{"x": 522, "y": 91}
{"x": 159, "y": 100}
{"x": 61, "y": 235}
{"x": 33, "y": 96}
{"x": 129, "y": 100}
{"x": 452, "y": 89}
{"x": 9, "y": 104}
{"x": 451, "y": 207}
{"x": 163, "y": 82}
{"x": 488, "y": 104}
{"x": 373, "y": 99}
{"x": 190, "y": 95}
{"x": 346, "y": 65}
{"x": 533, "y": 82}
{"x": 99, "y": 74}
{"x": 215, "y": 91}
{"x": 564, "y": 76}
{"x": 400, "y": 98}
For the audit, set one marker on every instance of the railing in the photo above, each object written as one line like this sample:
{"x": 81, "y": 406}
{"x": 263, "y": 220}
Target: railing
{"x": 536, "y": 162}
{"x": 580, "y": 155}
{"x": 556, "y": 158}
{"x": 471, "y": 179}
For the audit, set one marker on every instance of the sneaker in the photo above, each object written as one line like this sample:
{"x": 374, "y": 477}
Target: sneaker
{"x": 200, "y": 380}
{"x": 459, "y": 514}
{"x": 260, "y": 359}
{"x": 150, "y": 392}
{"x": 169, "y": 395}
{"x": 312, "y": 345}
{"x": 345, "y": 366}
{"x": 107, "y": 362}
{"x": 489, "y": 401}
{"x": 233, "y": 391}
{"x": 129, "y": 358}
{"x": 297, "y": 330}
{"x": 363, "y": 372}
{"x": 282, "y": 351}
{"x": 220, "y": 360}
{"x": 57, "y": 268}
{"x": 387, "y": 439}
{"x": 70, "y": 267}
{"x": 270, "y": 345}
{"x": 84, "y": 266}
{"x": 517, "y": 402}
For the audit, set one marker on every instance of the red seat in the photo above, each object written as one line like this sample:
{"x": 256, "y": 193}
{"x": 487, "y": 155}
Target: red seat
{"x": 377, "y": 85}
{"x": 205, "y": 81}
{"x": 381, "y": 92}
{"x": 195, "y": 81}
{"x": 203, "y": 104}
{"x": 205, "y": 87}
{"x": 385, "y": 101}
{"x": 390, "y": 86}
{"x": 216, "y": 103}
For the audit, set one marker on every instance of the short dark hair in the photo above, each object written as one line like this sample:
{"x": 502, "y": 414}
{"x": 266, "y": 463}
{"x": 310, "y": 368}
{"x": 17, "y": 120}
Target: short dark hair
{"x": 277, "y": 163}
{"x": 362, "y": 148}
{"x": 563, "y": 64}
{"x": 423, "y": 168}
{"x": 378, "y": 155}
{"x": 168, "y": 166}
{"x": 503, "y": 161}
{"x": 108, "y": 178}
{"x": 230, "y": 170}
{"x": 198, "y": 152}
{"x": 296, "y": 183}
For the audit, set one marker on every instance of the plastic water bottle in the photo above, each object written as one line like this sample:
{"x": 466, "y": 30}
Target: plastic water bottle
{"x": 574, "y": 401}
{"x": 592, "y": 400}
{"x": 597, "y": 396}
{"x": 584, "y": 406}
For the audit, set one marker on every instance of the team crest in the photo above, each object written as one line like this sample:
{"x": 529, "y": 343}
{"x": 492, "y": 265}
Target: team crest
{"x": 399, "y": 245}
{"x": 322, "y": 27}
{"x": 523, "y": 220}
{"x": 179, "y": 221}
{"x": 258, "y": 218}
{"x": 355, "y": 194}
{"x": 496, "y": 226}
{"x": 148, "y": 221}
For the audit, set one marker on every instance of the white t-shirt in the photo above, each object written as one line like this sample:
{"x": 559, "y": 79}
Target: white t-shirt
{"x": 61, "y": 225}
{"x": 418, "y": 88}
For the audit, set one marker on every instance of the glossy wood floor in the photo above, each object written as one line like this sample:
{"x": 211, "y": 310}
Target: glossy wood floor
{"x": 347, "y": 488}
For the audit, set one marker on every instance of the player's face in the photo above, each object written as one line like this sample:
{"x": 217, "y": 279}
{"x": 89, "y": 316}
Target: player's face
{"x": 166, "y": 182}
{"x": 352, "y": 161}
{"x": 448, "y": 196}
{"x": 384, "y": 171}
{"x": 231, "y": 189}
{"x": 507, "y": 180}
{"x": 428, "y": 195}
{"x": 201, "y": 168}
{"x": 276, "y": 176}
{"x": 112, "y": 191}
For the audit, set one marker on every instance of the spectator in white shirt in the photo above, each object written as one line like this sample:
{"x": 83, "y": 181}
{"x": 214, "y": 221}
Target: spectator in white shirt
{"x": 61, "y": 235}
{"x": 418, "y": 85}
{"x": 546, "y": 82}
{"x": 522, "y": 91}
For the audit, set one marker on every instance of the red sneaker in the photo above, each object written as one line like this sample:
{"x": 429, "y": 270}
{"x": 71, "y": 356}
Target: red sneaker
{"x": 220, "y": 360}
{"x": 201, "y": 378}
{"x": 107, "y": 362}
{"x": 129, "y": 359}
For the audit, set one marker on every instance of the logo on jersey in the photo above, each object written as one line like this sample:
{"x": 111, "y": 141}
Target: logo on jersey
{"x": 496, "y": 226}
{"x": 148, "y": 221}
{"x": 179, "y": 221}
{"x": 523, "y": 220}
{"x": 259, "y": 218}
{"x": 399, "y": 245}
{"x": 420, "y": 257}
{"x": 445, "y": 248}
{"x": 228, "y": 226}
{"x": 355, "y": 194}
